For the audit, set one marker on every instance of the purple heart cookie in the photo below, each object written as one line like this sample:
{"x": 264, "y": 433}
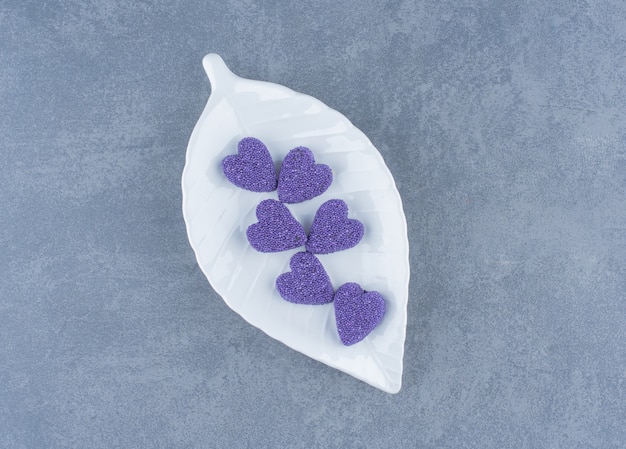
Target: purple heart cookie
{"x": 357, "y": 312}
{"x": 300, "y": 178}
{"x": 332, "y": 230}
{"x": 252, "y": 168}
{"x": 307, "y": 282}
{"x": 276, "y": 230}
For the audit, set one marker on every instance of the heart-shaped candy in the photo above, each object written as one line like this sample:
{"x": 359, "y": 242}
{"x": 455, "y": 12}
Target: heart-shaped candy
{"x": 252, "y": 168}
{"x": 332, "y": 230}
{"x": 307, "y": 282}
{"x": 357, "y": 312}
{"x": 276, "y": 230}
{"x": 300, "y": 178}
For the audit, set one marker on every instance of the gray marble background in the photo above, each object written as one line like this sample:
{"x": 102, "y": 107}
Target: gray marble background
{"x": 504, "y": 124}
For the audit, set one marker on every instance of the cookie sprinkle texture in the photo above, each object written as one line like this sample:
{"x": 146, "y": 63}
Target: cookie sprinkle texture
{"x": 300, "y": 178}
{"x": 276, "y": 230}
{"x": 307, "y": 282}
{"x": 332, "y": 230}
{"x": 357, "y": 312}
{"x": 252, "y": 168}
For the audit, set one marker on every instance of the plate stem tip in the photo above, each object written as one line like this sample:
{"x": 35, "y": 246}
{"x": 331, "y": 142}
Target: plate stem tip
{"x": 217, "y": 71}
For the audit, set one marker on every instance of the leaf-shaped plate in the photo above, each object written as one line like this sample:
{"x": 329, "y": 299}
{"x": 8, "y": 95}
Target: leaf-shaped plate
{"x": 217, "y": 215}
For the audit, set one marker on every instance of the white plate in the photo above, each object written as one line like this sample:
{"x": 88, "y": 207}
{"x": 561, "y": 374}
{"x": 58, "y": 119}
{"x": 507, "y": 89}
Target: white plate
{"x": 217, "y": 215}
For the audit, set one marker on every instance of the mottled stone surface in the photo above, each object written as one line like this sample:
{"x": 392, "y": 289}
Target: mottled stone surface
{"x": 504, "y": 124}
